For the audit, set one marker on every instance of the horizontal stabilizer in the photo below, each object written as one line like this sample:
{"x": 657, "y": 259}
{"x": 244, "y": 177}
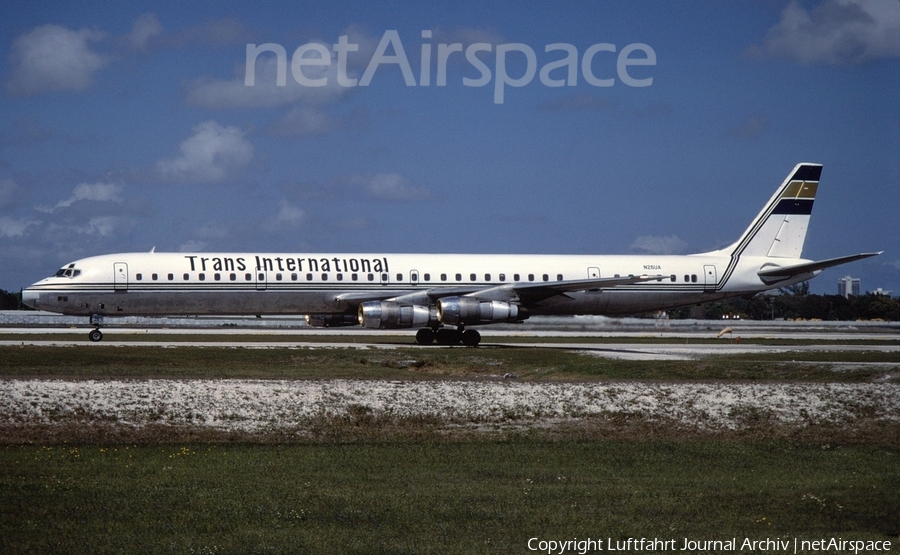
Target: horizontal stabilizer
{"x": 771, "y": 274}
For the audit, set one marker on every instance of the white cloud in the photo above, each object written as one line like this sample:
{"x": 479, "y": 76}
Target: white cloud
{"x": 837, "y": 32}
{"x": 290, "y": 214}
{"x": 192, "y": 246}
{"x": 146, "y": 28}
{"x": 98, "y": 192}
{"x": 208, "y": 92}
{"x": 15, "y": 228}
{"x": 212, "y": 230}
{"x": 212, "y": 154}
{"x": 102, "y": 226}
{"x": 659, "y": 245}
{"x": 51, "y": 57}
{"x": 392, "y": 186}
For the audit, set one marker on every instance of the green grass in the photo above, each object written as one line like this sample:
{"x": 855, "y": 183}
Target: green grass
{"x": 416, "y": 363}
{"x": 437, "y": 497}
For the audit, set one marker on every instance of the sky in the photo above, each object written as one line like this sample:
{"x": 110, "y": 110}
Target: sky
{"x": 450, "y": 127}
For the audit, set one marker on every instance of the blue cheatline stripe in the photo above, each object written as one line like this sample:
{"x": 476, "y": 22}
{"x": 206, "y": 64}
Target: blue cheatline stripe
{"x": 794, "y": 206}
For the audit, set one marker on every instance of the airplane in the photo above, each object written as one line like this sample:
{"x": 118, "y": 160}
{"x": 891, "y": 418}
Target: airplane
{"x": 442, "y": 294}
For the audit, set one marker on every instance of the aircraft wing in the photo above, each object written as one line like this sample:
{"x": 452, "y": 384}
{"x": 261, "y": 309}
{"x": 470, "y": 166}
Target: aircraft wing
{"x": 771, "y": 274}
{"x": 535, "y": 291}
{"x": 527, "y": 291}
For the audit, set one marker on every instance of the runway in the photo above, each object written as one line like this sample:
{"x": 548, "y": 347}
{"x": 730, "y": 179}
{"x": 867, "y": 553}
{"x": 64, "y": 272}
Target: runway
{"x": 679, "y": 344}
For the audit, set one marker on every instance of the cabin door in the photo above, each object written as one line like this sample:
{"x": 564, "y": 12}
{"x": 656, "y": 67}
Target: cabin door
{"x": 710, "y": 279}
{"x": 120, "y": 276}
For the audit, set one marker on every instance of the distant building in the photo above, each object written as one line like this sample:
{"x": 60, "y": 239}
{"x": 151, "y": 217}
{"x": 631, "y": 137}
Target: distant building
{"x": 881, "y": 291}
{"x": 848, "y": 286}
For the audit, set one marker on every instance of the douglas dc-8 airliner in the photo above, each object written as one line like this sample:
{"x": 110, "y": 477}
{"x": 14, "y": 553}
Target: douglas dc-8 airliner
{"x": 442, "y": 294}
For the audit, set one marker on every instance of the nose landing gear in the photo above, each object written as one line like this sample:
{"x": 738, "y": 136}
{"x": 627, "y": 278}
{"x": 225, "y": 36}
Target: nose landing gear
{"x": 95, "y": 334}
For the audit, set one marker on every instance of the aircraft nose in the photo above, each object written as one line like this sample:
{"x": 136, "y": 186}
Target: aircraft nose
{"x": 30, "y": 298}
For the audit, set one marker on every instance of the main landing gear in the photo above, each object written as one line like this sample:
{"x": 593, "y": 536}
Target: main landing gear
{"x": 446, "y": 336}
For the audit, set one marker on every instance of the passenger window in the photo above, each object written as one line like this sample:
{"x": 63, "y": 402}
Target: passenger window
{"x": 687, "y": 278}
{"x": 530, "y": 277}
{"x": 672, "y": 278}
{"x": 217, "y": 277}
{"x": 371, "y": 277}
{"x": 546, "y": 277}
{"x": 487, "y": 277}
{"x": 171, "y": 277}
{"x": 502, "y": 277}
{"x": 187, "y": 277}
{"x": 309, "y": 277}
{"x": 324, "y": 277}
{"x": 202, "y": 277}
{"x": 233, "y": 277}
{"x": 399, "y": 277}
{"x": 139, "y": 277}
{"x": 427, "y": 277}
{"x": 248, "y": 277}
{"x": 443, "y": 277}
{"x": 472, "y": 277}
{"x": 515, "y": 277}
{"x": 458, "y": 277}
{"x": 693, "y": 278}
{"x": 559, "y": 277}
{"x": 154, "y": 277}
{"x": 340, "y": 277}
{"x": 277, "y": 277}
{"x": 293, "y": 277}
{"x": 354, "y": 277}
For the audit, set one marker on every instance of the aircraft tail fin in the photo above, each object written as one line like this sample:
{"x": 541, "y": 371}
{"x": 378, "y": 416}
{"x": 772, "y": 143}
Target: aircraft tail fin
{"x": 779, "y": 230}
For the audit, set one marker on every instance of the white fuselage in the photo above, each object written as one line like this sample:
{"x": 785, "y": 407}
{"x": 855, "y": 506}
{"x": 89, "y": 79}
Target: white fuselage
{"x": 291, "y": 283}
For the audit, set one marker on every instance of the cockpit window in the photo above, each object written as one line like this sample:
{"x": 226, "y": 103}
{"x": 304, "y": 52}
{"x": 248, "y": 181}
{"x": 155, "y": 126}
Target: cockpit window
{"x": 68, "y": 271}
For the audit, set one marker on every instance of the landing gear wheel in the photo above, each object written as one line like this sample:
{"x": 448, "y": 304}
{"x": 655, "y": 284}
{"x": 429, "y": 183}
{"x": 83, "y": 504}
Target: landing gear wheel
{"x": 447, "y": 337}
{"x": 425, "y": 336}
{"x": 471, "y": 338}
{"x": 95, "y": 335}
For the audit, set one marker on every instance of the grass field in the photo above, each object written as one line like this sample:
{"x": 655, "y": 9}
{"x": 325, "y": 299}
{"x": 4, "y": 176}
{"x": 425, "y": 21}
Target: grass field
{"x": 437, "y": 497}
{"x": 360, "y": 489}
{"x": 415, "y": 363}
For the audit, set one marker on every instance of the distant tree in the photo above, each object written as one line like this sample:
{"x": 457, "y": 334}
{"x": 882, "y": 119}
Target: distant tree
{"x": 9, "y": 301}
{"x": 872, "y": 307}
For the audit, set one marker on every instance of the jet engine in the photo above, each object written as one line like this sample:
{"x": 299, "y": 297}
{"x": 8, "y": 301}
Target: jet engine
{"x": 391, "y": 315}
{"x": 331, "y": 320}
{"x": 456, "y": 311}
